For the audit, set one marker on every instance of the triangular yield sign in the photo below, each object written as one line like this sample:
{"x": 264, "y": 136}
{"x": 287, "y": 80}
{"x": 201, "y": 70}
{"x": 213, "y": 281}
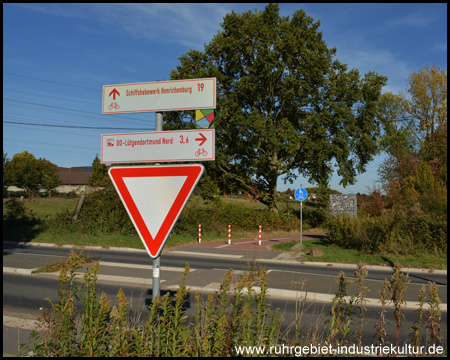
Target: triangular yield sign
{"x": 154, "y": 197}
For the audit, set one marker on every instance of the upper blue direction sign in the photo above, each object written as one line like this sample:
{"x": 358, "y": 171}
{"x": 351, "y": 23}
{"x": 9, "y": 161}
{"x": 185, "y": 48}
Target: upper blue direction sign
{"x": 301, "y": 194}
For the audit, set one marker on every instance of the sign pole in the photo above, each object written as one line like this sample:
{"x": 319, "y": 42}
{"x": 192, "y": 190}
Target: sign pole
{"x": 301, "y": 194}
{"x": 301, "y": 220}
{"x": 157, "y": 261}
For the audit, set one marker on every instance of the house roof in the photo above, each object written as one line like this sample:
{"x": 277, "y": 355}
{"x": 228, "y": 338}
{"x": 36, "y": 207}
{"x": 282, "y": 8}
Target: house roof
{"x": 75, "y": 176}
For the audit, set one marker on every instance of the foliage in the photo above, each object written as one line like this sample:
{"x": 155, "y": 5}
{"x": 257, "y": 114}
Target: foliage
{"x": 283, "y": 103}
{"x": 6, "y": 174}
{"x": 104, "y": 212}
{"x": 428, "y": 103}
{"x": 409, "y": 213}
{"x": 218, "y": 215}
{"x": 99, "y": 175}
{"x": 25, "y": 171}
{"x": 82, "y": 322}
{"x": 314, "y": 216}
{"x": 207, "y": 187}
{"x": 404, "y": 232}
{"x": 15, "y": 209}
{"x": 396, "y": 291}
{"x": 373, "y": 204}
{"x": 20, "y": 224}
{"x": 49, "y": 178}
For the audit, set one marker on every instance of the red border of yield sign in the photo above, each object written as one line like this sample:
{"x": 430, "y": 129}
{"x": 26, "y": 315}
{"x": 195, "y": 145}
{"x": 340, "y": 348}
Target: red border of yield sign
{"x": 192, "y": 172}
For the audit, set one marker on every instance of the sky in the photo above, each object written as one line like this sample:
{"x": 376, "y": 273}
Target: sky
{"x": 57, "y": 57}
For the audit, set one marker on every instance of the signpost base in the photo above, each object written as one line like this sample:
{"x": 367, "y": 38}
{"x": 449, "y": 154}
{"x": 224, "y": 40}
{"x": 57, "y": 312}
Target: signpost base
{"x": 156, "y": 278}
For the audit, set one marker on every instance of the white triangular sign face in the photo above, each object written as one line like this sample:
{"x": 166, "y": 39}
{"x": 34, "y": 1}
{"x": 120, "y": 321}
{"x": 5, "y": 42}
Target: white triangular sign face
{"x": 154, "y": 197}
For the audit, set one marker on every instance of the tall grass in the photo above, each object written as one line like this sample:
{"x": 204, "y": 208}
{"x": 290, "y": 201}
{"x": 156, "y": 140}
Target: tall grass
{"x": 82, "y": 323}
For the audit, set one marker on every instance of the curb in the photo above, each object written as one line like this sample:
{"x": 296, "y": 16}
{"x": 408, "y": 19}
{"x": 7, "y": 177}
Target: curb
{"x": 172, "y": 250}
{"x": 280, "y": 294}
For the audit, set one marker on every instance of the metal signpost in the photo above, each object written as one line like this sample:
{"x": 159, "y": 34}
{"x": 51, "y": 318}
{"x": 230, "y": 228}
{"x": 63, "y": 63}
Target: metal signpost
{"x": 187, "y": 145}
{"x": 301, "y": 194}
{"x": 156, "y": 283}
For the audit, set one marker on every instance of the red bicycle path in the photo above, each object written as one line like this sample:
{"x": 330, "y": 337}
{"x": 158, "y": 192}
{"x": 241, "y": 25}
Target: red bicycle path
{"x": 253, "y": 243}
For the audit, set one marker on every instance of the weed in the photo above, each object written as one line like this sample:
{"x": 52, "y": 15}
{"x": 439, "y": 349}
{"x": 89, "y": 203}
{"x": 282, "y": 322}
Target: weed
{"x": 82, "y": 323}
{"x": 416, "y": 329}
{"x": 397, "y": 287}
{"x": 433, "y": 316}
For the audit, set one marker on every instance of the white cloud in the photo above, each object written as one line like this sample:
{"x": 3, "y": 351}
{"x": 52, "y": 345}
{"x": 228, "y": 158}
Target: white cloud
{"x": 441, "y": 46}
{"x": 190, "y": 25}
{"x": 420, "y": 18}
{"x": 381, "y": 61}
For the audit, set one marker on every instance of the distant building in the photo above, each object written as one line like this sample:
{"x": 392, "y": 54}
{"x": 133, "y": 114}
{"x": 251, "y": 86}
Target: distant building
{"x": 74, "y": 179}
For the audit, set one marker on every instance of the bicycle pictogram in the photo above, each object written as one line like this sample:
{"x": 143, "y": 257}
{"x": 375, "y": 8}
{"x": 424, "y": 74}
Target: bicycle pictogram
{"x": 114, "y": 105}
{"x": 201, "y": 151}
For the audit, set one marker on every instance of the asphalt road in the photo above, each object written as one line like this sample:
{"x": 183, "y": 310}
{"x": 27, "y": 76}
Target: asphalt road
{"x": 291, "y": 283}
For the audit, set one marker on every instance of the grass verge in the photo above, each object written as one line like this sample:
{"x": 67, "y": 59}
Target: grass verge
{"x": 76, "y": 257}
{"x": 335, "y": 254}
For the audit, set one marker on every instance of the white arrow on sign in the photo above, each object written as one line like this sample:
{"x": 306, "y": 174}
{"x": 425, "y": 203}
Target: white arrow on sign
{"x": 154, "y": 197}
{"x": 179, "y": 145}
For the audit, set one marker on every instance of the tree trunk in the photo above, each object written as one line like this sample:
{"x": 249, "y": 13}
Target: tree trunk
{"x": 272, "y": 179}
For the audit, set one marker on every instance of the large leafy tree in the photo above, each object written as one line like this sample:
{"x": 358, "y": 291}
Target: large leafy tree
{"x": 283, "y": 103}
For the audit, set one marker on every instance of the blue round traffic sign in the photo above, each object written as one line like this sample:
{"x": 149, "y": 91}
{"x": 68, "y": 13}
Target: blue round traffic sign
{"x": 301, "y": 194}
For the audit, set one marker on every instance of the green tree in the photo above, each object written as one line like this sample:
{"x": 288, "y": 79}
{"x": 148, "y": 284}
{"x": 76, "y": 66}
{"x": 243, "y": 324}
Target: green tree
{"x": 25, "y": 171}
{"x": 283, "y": 103}
{"x": 415, "y": 126}
{"x": 99, "y": 176}
{"x": 427, "y": 103}
{"x": 6, "y": 172}
{"x": 49, "y": 178}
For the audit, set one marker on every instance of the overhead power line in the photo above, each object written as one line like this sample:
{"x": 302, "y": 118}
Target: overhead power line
{"x": 115, "y": 119}
{"x": 46, "y": 143}
{"x": 55, "y": 131}
{"x": 64, "y": 108}
{"x": 58, "y": 150}
{"x": 73, "y": 127}
{"x": 50, "y": 81}
{"x": 51, "y": 97}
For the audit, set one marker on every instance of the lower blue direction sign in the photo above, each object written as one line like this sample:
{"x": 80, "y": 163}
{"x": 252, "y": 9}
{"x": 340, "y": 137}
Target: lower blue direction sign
{"x": 301, "y": 194}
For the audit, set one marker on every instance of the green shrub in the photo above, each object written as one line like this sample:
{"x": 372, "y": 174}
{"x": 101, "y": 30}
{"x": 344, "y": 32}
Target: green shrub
{"x": 104, "y": 212}
{"x": 15, "y": 209}
{"x": 315, "y": 216}
{"x": 217, "y": 216}
{"x": 397, "y": 232}
{"x": 20, "y": 224}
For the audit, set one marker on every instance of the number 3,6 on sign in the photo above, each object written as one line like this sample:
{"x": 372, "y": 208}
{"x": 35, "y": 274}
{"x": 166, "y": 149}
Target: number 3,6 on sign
{"x": 180, "y": 145}
{"x": 175, "y": 95}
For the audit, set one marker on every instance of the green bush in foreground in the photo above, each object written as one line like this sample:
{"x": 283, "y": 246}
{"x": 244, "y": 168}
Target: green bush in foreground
{"x": 82, "y": 323}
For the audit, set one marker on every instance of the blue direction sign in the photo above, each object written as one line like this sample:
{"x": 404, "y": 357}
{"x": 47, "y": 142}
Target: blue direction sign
{"x": 301, "y": 194}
